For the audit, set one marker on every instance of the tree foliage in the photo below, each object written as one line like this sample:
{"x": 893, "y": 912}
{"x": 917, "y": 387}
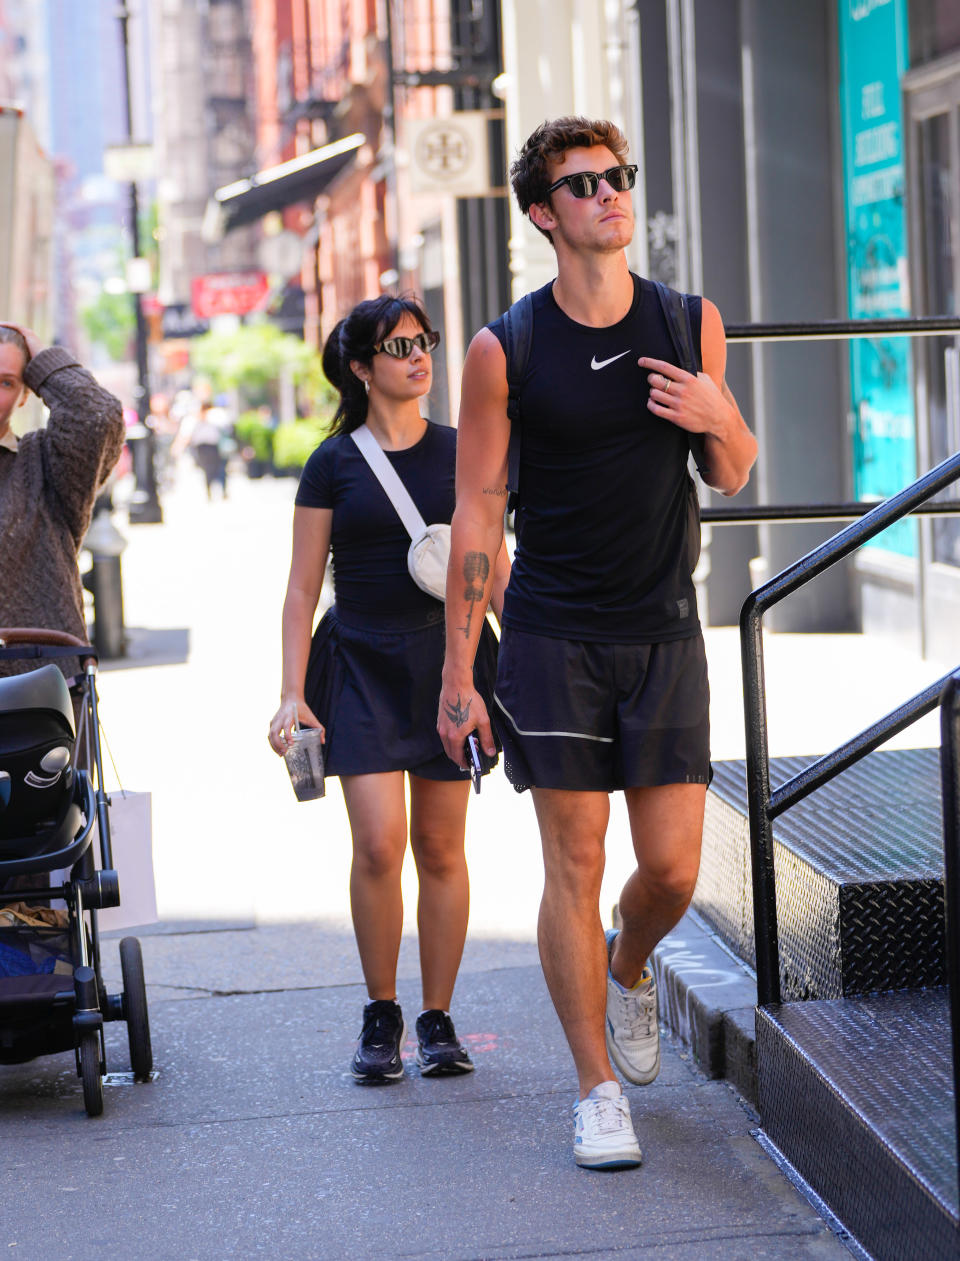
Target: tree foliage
{"x": 254, "y": 358}
{"x": 109, "y": 322}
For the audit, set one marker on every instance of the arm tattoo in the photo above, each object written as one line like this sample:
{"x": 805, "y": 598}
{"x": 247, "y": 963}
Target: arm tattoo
{"x": 459, "y": 713}
{"x": 495, "y": 490}
{"x": 476, "y": 571}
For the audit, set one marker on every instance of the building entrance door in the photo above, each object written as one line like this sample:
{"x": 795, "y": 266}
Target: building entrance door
{"x": 932, "y": 99}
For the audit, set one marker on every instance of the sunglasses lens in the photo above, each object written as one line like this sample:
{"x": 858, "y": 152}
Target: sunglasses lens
{"x": 398, "y": 347}
{"x": 429, "y": 341}
{"x": 585, "y": 184}
{"x": 621, "y": 178}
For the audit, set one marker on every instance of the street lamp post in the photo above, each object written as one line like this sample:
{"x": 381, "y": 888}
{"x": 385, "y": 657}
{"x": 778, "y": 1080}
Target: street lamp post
{"x": 144, "y": 507}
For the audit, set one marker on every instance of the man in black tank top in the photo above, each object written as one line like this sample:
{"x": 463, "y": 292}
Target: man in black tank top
{"x": 602, "y": 680}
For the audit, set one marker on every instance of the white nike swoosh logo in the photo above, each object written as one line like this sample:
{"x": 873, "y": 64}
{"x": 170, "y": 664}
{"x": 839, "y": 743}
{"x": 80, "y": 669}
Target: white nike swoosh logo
{"x": 597, "y": 366}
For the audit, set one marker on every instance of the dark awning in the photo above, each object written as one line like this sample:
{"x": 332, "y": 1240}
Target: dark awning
{"x": 300, "y": 179}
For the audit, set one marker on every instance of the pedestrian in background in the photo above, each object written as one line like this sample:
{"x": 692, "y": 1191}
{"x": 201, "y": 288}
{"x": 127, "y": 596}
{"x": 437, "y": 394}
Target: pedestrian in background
{"x": 49, "y": 481}
{"x": 165, "y": 427}
{"x": 602, "y": 677}
{"x": 209, "y": 436}
{"x": 371, "y": 676}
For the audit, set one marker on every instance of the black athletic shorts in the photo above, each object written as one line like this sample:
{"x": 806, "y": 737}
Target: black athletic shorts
{"x": 597, "y": 717}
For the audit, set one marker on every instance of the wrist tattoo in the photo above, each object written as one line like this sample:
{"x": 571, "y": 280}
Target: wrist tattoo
{"x": 458, "y": 713}
{"x": 476, "y": 571}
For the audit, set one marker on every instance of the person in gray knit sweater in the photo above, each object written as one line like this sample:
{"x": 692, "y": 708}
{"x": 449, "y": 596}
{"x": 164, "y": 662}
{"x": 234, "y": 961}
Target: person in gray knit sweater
{"x": 49, "y": 480}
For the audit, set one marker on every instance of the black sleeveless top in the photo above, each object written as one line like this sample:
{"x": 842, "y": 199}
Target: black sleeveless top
{"x": 606, "y": 544}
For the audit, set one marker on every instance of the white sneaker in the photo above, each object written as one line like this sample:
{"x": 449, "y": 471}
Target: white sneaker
{"x": 633, "y": 1036}
{"x": 604, "y": 1137}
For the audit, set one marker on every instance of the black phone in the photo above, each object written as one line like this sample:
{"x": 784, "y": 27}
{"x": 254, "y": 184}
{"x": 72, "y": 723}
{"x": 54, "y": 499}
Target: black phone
{"x": 476, "y": 760}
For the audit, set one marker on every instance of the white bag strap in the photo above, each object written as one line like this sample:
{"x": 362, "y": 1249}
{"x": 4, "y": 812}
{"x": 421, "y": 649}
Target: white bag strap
{"x": 389, "y": 479}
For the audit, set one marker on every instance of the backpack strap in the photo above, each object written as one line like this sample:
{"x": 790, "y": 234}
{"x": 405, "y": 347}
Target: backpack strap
{"x": 676, "y": 312}
{"x": 518, "y": 333}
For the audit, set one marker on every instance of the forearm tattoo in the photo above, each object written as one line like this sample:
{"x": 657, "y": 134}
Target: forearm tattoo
{"x": 458, "y": 713}
{"x": 476, "y": 571}
{"x": 499, "y": 491}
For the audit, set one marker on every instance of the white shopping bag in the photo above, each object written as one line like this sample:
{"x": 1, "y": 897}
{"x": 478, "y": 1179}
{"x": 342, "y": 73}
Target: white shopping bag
{"x": 131, "y": 838}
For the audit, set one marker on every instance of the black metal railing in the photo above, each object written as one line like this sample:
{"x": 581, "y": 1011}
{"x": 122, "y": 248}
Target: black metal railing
{"x": 828, "y": 330}
{"x": 950, "y": 782}
{"x": 867, "y": 520}
{"x": 758, "y": 513}
{"x": 764, "y": 804}
{"x": 840, "y": 330}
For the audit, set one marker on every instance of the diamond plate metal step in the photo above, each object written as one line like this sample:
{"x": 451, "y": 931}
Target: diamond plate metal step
{"x": 859, "y": 867}
{"x": 858, "y": 1095}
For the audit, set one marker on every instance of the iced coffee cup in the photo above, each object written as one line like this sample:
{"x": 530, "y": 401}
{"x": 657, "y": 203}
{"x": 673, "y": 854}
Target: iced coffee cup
{"x": 304, "y": 759}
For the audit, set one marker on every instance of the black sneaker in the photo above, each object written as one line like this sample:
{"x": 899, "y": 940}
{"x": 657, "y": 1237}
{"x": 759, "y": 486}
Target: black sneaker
{"x": 439, "y": 1052}
{"x": 381, "y": 1040}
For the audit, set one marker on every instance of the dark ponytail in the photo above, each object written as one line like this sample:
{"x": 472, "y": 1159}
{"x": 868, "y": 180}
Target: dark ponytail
{"x": 353, "y": 339}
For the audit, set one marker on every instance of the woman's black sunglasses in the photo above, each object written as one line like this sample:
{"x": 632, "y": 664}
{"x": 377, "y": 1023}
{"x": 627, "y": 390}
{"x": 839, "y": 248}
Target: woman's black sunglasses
{"x": 402, "y": 347}
{"x": 585, "y": 183}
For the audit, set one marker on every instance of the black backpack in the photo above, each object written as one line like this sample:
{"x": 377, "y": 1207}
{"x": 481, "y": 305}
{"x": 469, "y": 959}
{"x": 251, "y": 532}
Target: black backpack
{"x": 518, "y": 333}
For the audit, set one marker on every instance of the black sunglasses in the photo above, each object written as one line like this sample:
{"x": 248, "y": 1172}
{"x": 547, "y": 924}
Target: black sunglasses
{"x": 402, "y": 347}
{"x": 585, "y": 183}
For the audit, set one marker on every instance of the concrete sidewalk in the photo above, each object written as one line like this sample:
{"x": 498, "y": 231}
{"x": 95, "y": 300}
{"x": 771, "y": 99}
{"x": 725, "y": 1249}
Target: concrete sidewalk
{"x": 253, "y": 1139}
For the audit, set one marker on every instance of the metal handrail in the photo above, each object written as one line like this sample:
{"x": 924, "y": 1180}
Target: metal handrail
{"x": 950, "y": 782}
{"x": 828, "y": 330}
{"x": 759, "y": 795}
{"x": 765, "y": 805}
{"x": 756, "y": 514}
{"x": 838, "y": 330}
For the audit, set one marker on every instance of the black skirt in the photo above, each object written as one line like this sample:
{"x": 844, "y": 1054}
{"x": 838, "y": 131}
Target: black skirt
{"x": 376, "y": 690}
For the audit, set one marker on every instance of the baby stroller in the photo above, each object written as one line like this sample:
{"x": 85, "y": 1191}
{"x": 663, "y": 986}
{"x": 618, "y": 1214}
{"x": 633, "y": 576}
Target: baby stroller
{"x": 52, "y": 801}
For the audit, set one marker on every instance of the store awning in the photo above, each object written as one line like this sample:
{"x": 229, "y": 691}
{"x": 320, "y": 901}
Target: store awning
{"x": 300, "y": 179}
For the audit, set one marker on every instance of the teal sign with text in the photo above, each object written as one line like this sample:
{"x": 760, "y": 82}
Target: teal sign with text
{"x": 873, "y": 57}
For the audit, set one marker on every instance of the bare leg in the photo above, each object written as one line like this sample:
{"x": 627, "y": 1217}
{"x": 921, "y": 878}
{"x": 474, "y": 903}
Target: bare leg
{"x": 378, "y": 822}
{"x": 437, "y": 819}
{"x": 667, "y": 828}
{"x": 570, "y": 933}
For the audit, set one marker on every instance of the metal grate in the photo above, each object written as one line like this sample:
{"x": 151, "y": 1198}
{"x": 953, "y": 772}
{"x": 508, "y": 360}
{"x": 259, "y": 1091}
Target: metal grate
{"x": 857, "y": 1093}
{"x": 859, "y": 875}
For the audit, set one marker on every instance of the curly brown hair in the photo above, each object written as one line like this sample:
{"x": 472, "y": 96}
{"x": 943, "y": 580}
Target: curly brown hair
{"x": 551, "y": 140}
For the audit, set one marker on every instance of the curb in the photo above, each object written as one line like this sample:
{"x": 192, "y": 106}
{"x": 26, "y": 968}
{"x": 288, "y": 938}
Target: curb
{"x": 707, "y": 1000}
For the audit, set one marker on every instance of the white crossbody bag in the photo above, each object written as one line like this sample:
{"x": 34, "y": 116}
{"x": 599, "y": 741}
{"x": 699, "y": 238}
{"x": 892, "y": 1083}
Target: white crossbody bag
{"x": 429, "y": 544}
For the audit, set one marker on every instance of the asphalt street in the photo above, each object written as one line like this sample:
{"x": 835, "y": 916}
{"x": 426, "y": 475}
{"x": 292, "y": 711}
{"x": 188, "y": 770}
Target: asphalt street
{"x": 253, "y": 1139}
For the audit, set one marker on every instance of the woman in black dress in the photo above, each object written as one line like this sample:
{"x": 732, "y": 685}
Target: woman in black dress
{"x": 370, "y": 677}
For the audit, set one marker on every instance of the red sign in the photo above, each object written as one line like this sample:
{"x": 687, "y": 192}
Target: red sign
{"x": 228, "y": 293}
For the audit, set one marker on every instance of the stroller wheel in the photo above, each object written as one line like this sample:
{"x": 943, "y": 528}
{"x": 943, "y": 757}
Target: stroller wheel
{"x": 90, "y": 1072}
{"x": 135, "y": 1008}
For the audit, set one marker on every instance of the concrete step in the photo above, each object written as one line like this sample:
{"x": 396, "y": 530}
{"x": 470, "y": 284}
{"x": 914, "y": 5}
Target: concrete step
{"x": 707, "y": 999}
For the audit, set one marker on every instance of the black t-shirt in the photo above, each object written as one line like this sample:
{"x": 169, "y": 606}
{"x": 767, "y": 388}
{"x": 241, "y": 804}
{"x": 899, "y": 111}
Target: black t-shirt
{"x": 605, "y": 545}
{"x": 368, "y": 539}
